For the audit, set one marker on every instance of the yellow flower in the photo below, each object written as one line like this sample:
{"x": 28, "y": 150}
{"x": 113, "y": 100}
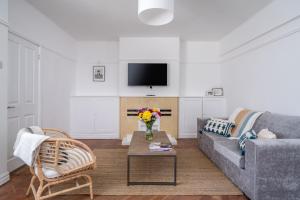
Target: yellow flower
{"x": 140, "y": 115}
{"x": 147, "y": 116}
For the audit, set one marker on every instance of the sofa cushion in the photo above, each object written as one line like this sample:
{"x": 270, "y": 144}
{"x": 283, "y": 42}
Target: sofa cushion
{"x": 219, "y": 126}
{"x": 282, "y": 125}
{"x": 214, "y": 137}
{"x": 246, "y": 122}
{"x": 238, "y": 120}
{"x": 230, "y": 150}
{"x": 234, "y": 114}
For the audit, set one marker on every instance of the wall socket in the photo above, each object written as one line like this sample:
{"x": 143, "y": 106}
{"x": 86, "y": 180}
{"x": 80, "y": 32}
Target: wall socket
{"x": 1, "y": 65}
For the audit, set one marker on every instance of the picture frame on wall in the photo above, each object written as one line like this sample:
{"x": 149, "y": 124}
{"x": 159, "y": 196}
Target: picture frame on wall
{"x": 98, "y": 73}
{"x": 218, "y": 91}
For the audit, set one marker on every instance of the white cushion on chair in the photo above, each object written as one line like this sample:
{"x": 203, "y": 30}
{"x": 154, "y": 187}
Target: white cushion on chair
{"x": 84, "y": 158}
{"x": 78, "y": 152}
{"x": 48, "y": 173}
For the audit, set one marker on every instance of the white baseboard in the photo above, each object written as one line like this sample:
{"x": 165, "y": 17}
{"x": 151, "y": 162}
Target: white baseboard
{"x": 187, "y": 135}
{"x": 94, "y": 136}
{"x": 4, "y": 178}
{"x": 14, "y": 163}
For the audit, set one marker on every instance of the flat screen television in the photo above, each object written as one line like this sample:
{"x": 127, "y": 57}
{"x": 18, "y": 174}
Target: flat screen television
{"x": 147, "y": 74}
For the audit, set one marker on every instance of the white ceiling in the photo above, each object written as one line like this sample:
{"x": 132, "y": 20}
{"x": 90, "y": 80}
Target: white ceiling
{"x": 207, "y": 20}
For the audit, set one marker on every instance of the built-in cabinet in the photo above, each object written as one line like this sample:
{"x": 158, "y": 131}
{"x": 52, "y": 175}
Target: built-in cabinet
{"x": 191, "y": 108}
{"x": 213, "y": 107}
{"x": 95, "y": 117}
{"x": 114, "y": 117}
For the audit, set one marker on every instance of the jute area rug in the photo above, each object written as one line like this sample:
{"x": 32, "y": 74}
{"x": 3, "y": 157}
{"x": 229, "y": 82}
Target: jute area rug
{"x": 196, "y": 175}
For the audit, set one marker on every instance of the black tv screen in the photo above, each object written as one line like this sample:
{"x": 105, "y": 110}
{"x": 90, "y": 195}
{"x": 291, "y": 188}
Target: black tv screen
{"x": 147, "y": 74}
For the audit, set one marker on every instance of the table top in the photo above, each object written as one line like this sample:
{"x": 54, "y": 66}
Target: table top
{"x": 139, "y": 146}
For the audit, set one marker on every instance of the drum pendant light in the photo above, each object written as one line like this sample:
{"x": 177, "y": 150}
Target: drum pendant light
{"x": 156, "y": 12}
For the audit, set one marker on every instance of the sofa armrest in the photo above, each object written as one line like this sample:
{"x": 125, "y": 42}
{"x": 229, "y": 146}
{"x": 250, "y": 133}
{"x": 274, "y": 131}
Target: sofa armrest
{"x": 274, "y": 167}
{"x": 200, "y": 124}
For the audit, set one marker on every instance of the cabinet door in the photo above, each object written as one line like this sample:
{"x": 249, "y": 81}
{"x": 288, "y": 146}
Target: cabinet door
{"x": 214, "y": 107}
{"x": 95, "y": 117}
{"x": 190, "y": 110}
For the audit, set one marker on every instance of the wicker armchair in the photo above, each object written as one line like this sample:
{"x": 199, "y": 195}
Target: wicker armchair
{"x": 61, "y": 159}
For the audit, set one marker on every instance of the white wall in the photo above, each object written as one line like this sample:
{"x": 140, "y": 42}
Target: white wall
{"x": 97, "y": 53}
{"x": 28, "y": 21}
{"x": 149, "y": 48}
{"x": 199, "y": 67}
{"x": 260, "y": 60}
{"x": 57, "y": 75}
{"x": 57, "y": 63}
{"x": 95, "y": 105}
{"x": 165, "y": 50}
{"x": 193, "y": 66}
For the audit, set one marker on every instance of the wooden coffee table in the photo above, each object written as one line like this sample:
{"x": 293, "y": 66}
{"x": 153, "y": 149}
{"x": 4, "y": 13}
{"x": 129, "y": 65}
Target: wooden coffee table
{"x": 139, "y": 147}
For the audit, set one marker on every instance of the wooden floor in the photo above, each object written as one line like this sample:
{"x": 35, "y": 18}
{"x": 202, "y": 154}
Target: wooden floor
{"x": 16, "y": 188}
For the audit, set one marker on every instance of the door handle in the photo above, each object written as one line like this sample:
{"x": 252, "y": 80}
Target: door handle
{"x": 10, "y": 107}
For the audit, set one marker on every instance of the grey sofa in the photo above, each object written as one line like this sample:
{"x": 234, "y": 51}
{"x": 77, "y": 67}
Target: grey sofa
{"x": 270, "y": 169}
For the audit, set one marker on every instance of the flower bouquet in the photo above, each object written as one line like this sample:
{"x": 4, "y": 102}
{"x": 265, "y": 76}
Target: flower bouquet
{"x": 149, "y": 116}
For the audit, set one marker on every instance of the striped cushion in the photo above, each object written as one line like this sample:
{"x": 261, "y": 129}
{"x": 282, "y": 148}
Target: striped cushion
{"x": 245, "y": 136}
{"x": 244, "y": 122}
{"x": 238, "y": 120}
{"x": 219, "y": 126}
{"x": 234, "y": 115}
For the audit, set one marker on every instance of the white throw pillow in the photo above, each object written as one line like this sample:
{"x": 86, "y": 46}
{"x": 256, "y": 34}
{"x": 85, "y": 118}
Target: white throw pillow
{"x": 235, "y": 114}
{"x": 266, "y": 134}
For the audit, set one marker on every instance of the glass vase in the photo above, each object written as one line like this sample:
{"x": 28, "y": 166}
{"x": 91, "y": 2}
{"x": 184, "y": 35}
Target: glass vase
{"x": 149, "y": 133}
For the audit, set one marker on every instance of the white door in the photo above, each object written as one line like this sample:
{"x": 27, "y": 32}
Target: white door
{"x": 23, "y": 84}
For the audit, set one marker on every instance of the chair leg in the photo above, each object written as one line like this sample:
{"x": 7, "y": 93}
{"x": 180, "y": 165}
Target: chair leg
{"x": 31, "y": 184}
{"x": 39, "y": 191}
{"x": 91, "y": 187}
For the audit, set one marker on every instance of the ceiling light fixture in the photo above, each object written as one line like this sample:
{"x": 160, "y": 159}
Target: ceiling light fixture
{"x": 156, "y": 12}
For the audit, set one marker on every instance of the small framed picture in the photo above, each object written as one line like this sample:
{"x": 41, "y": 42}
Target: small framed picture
{"x": 99, "y": 73}
{"x": 209, "y": 93}
{"x": 217, "y": 91}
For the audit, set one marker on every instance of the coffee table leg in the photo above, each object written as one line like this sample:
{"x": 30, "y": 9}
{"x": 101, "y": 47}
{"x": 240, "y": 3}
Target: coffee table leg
{"x": 153, "y": 183}
{"x": 128, "y": 170}
{"x": 175, "y": 170}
